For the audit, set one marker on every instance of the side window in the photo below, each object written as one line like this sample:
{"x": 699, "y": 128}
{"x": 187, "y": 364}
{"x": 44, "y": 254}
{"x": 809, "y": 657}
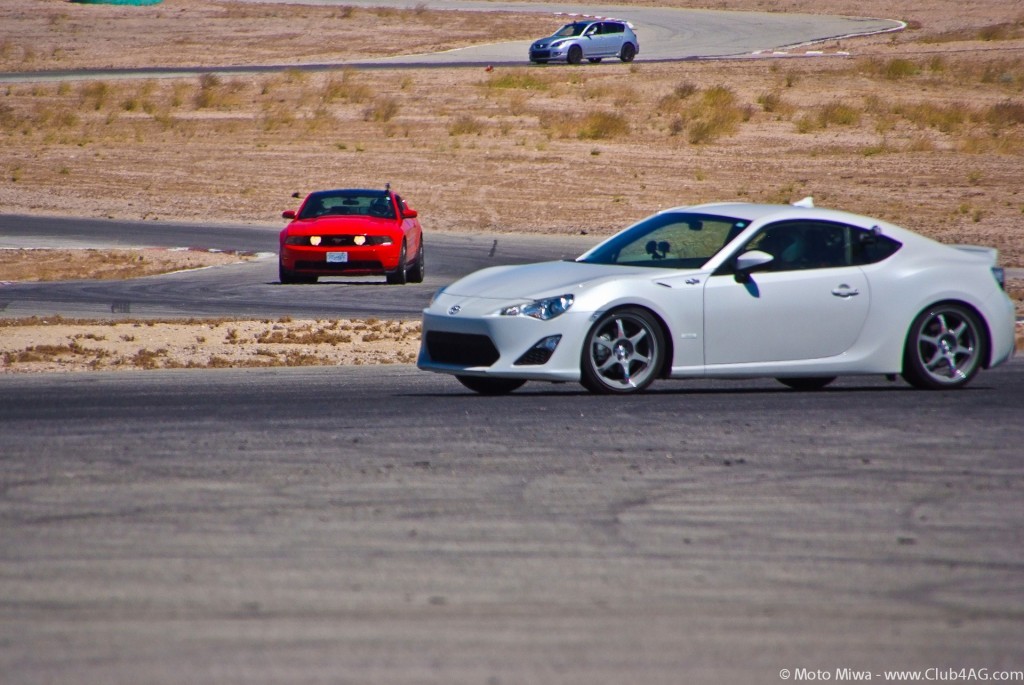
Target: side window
{"x": 869, "y": 247}
{"x": 798, "y": 245}
{"x": 611, "y": 27}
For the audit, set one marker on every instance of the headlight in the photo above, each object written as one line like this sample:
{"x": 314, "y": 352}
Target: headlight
{"x": 545, "y": 309}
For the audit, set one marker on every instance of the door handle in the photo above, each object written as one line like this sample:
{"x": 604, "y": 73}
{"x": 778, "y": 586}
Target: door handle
{"x": 845, "y": 291}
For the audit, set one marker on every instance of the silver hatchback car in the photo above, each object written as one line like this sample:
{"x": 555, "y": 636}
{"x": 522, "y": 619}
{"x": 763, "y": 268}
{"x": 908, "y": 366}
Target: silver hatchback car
{"x": 592, "y": 40}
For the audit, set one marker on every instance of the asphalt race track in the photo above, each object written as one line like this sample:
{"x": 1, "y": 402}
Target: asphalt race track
{"x": 248, "y": 290}
{"x": 381, "y": 525}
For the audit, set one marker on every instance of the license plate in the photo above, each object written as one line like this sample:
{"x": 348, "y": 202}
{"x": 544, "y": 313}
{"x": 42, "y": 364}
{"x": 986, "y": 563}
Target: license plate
{"x": 336, "y": 257}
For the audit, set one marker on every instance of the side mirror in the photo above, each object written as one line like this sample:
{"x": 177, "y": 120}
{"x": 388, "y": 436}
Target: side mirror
{"x": 750, "y": 261}
{"x": 288, "y": 214}
{"x": 409, "y": 213}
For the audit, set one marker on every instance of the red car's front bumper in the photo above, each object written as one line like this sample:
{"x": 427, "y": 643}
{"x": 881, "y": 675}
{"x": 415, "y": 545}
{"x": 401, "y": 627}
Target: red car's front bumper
{"x": 327, "y": 261}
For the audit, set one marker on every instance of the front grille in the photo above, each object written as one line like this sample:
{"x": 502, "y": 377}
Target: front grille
{"x": 537, "y": 356}
{"x": 540, "y": 54}
{"x": 357, "y": 265}
{"x": 462, "y": 349}
{"x": 350, "y": 240}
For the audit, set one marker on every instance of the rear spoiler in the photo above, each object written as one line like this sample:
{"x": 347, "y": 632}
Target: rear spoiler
{"x": 992, "y": 255}
{"x": 990, "y": 252}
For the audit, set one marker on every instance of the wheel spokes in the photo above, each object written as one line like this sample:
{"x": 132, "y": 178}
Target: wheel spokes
{"x": 623, "y": 351}
{"x": 947, "y": 350}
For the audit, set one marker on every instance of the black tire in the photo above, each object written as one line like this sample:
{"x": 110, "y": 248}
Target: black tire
{"x": 289, "y": 277}
{"x": 623, "y": 352}
{"x": 419, "y": 267}
{"x": 628, "y": 52}
{"x": 806, "y": 384}
{"x": 945, "y": 348}
{"x": 400, "y": 276}
{"x": 490, "y": 386}
{"x": 575, "y": 55}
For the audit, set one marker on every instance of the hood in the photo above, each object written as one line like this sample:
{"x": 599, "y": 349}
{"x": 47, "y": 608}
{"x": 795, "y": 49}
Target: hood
{"x": 344, "y": 225}
{"x": 530, "y": 281}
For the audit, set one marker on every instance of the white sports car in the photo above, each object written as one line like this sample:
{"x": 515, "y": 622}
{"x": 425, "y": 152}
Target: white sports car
{"x": 729, "y": 290}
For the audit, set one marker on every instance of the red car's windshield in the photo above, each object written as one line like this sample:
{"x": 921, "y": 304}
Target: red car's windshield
{"x": 348, "y": 202}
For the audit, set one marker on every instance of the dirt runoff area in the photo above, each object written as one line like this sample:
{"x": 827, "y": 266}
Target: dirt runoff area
{"x": 56, "y": 344}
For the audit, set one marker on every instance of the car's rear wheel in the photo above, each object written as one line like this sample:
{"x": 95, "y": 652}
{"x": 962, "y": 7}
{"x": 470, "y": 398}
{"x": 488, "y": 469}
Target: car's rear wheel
{"x": 575, "y": 55}
{"x": 944, "y": 348}
{"x": 816, "y": 383}
{"x": 400, "y": 275}
{"x": 491, "y": 386}
{"x": 419, "y": 267}
{"x": 623, "y": 352}
{"x": 627, "y": 53}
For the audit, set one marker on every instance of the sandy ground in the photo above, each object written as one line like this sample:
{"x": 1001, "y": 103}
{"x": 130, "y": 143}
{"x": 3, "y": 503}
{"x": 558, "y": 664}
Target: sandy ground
{"x": 924, "y": 128}
{"x": 35, "y": 345}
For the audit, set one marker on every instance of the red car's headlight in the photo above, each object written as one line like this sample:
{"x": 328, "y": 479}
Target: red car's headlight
{"x": 338, "y": 240}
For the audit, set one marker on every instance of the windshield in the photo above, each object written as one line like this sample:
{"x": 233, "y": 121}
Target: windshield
{"x": 672, "y": 240}
{"x": 571, "y": 29}
{"x": 348, "y": 202}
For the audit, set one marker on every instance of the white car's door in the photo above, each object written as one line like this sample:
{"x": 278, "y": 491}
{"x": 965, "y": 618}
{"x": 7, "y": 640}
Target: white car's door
{"x": 811, "y": 304}
{"x": 784, "y": 316}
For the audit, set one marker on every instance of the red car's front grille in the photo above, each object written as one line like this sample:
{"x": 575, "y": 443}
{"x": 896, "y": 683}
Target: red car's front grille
{"x": 354, "y": 265}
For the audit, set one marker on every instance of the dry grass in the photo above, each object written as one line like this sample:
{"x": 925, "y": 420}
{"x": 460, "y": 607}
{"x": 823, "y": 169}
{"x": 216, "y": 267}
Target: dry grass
{"x": 94, "y": 264}
{"x": 56, "y": 344}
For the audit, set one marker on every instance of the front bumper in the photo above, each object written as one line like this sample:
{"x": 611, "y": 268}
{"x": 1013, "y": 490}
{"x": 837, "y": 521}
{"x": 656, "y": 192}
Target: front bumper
{"x": 480, "y": 344}
{"x": 367, "y": 259}
{"x": 549, "y": 54}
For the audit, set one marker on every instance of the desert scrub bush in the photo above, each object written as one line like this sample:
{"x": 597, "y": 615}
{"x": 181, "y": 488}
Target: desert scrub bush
{"x": 465, "y": 124}
{"x": 838, "y": 113}
{"x": 275, "y": 116}
{"x": 213, "y": 93}
{"x": 346, "y": 88}
{"x": 1007, "y": 30}
{"x": 715, "y": 114}
{"x": 383, "y": 109}
{"x": 893, "y": 69}
{"x": 946, "y": 118}
{"x": 774, "y": 103}
{"x": 94, "y": 94}
{"x": 520, "y": 79}
{"x": 602, "y": 126}
{"x": 1005, "y": 114}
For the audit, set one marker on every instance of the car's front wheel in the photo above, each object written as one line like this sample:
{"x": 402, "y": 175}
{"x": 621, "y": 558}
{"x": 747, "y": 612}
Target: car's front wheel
{"x": 627, "y": 53}
{"x": 400, "y": 275}
{"x": 490, "y": 386}
{"x": 419, "y": 267}
{"x": 575, "y": 55}
{"x": 944, "y": 348}
{"x": 623, "y": 352}
{"x": 289, "y": 277}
